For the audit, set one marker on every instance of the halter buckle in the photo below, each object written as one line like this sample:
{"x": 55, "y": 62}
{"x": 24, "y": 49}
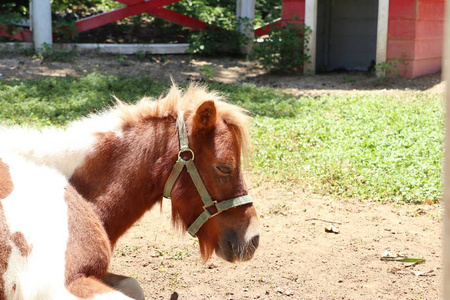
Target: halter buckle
{"x": 208, "y": 212}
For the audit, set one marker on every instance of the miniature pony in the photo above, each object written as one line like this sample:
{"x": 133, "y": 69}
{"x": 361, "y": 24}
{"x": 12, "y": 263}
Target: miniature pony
{"x": 66, "y": 196}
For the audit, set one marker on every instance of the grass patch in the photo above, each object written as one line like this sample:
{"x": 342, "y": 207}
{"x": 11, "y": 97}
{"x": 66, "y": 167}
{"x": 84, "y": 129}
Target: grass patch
{"x": 57, "y": 101}
{"x": 369, "y": 146}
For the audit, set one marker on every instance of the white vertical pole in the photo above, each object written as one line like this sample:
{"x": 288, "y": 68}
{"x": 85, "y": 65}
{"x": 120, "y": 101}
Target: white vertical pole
{"x": 41, "y": 23}
{"x": 382, "y": 31}
{"x": 311, "y": 22}
{"x": 245, "y": 10}
{"x": 446, "y": 243}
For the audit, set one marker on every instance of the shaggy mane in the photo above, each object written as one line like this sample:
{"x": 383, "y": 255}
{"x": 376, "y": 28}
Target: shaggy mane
{"x": 188, "y": 102}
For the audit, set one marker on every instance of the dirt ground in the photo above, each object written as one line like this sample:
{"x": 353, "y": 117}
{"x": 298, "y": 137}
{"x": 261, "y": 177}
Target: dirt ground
{"x": 296, "y": 259}
{"x": 186, "y": 68}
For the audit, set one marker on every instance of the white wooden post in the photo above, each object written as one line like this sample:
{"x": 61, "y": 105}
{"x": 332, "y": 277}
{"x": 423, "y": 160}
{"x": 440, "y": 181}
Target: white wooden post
{"x": 311, "y": 22}
{"x": 446, "y": 242}
{"x": 382, "y": 28}
{"x": 382, "y": 32}
{"x": 245, "y": 10}
{"x": 41, "y": 23}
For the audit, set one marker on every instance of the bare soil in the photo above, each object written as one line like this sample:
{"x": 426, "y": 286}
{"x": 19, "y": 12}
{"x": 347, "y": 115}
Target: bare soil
{"x": 297, "y": 258}
{"x": 188, "y": 68}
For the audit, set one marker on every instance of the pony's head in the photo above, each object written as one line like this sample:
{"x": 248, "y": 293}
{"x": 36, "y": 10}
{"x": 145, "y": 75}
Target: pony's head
{"x": 218, "y": 138}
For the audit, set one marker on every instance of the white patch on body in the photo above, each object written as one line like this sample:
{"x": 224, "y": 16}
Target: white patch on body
{"x": 40, "y": 164}
{"x": 63, "y": 150}
{"x": 36, "y": 208}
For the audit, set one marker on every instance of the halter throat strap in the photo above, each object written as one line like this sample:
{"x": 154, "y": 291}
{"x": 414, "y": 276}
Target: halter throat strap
{"x": 211, "y": 207}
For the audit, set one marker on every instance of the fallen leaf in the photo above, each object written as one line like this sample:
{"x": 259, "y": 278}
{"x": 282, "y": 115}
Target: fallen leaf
{"x": 420, "y": 273}
{"x": 389, "y": 257}
{"x": 428, "y": 201}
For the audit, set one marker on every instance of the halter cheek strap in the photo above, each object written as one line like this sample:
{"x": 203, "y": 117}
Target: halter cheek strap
{"x": 209, "y": 203}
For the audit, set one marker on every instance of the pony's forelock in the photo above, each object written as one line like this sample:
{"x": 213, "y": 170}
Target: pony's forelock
{"x": 188, "y": 102}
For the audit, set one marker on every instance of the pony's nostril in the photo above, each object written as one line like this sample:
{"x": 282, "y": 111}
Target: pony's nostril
{"x": 229, "y": 245}
{"x": 255, "y": 241}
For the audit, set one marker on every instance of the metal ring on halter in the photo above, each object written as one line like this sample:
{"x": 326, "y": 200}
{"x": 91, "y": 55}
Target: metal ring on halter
{"x": 186, "y": 150}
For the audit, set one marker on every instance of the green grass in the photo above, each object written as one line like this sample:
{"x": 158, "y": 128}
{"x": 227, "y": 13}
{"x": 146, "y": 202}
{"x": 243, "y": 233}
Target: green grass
{"x": 370, "y": 146}
{"x": 57, "y": 101}
{"x": 366, "y": 146}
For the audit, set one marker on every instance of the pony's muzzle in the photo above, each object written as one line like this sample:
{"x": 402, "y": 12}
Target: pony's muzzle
{"x": 232, "y": 248}
{"x": 254, "y": 242}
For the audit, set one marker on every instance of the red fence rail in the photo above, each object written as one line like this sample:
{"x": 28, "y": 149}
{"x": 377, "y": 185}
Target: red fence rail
{"x": 132, "y": 8}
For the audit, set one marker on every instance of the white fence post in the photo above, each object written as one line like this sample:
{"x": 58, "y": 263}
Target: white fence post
{"x": 311, "y": 22}
{"x": 245, "y": 10}
{"x": 382, "y": 30}
{"x": 446, "y": 241}
{"x": 41, "y": 23}
{"x": 382, "y": 33}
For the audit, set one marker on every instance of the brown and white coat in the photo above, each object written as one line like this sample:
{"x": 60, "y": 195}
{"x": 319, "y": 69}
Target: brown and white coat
{"x": 66, "y": 196}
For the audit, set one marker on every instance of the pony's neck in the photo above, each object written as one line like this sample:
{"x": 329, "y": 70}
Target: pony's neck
{"x": 125, "y": 175}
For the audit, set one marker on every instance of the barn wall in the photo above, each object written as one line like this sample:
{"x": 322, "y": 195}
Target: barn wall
{"x": 293, "y": 11}
{"x": 429, "y": 37}
{"x": 415, "y": 35}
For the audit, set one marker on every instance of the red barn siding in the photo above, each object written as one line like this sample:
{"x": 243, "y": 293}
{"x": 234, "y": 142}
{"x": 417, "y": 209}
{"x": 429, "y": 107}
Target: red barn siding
{"x": 402, "y": 29}
{"x": 401, "y": 34}
{"x": 428, "y": 66}
{"x": 402, "y": 9}
{"x": 431, "y": 10}
{"x": 425, "y": 49}
{"x": 400, "y": 49}
{"x": 415, "y": 32}
{"x": 429, "y": 37}
{"x": 293, "y": 11}
{"x": 429, "y": 29}
{"x": 415, "y": 35}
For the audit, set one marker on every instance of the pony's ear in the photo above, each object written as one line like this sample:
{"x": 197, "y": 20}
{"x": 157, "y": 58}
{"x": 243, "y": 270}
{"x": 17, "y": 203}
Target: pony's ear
{"x": 205, "y": 116}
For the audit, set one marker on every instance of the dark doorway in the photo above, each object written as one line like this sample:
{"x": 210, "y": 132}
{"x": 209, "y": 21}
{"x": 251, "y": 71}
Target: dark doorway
{"x": 346, "y": 34}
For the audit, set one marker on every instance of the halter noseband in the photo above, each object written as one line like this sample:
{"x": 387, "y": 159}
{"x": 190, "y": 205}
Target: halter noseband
{"x": 195, "y": 176}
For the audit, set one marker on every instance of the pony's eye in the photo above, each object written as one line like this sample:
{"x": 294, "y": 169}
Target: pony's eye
{"x": 226, "y": 170}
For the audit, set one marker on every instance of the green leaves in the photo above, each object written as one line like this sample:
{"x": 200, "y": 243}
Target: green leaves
{"x": 283, "y": 49}
{"x": 219, "y": 38}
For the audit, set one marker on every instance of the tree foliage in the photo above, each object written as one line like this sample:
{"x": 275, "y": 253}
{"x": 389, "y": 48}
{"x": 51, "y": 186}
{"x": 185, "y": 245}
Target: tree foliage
{"x": 284, "y": 48}
{"x": 210, "y": 11}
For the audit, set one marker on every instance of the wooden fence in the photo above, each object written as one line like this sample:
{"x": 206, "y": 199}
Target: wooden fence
{"x": 40, "y": 32}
